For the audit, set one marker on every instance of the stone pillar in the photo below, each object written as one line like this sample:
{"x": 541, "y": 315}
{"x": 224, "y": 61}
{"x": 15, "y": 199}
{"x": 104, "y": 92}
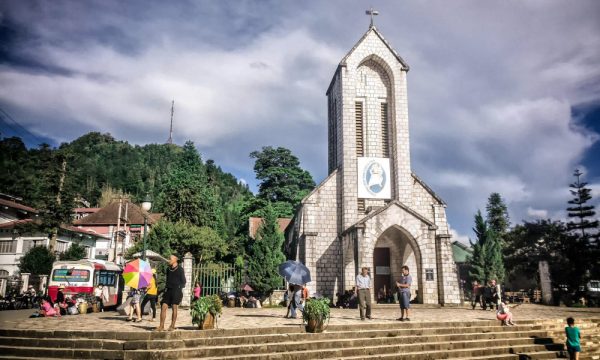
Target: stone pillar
{"x": 188, "y": 261}
{"x": 3, "y": 283}
{"x": 43, "y": 283}
{"x": 545, "y": 282}
{"x": 24, "y": 281}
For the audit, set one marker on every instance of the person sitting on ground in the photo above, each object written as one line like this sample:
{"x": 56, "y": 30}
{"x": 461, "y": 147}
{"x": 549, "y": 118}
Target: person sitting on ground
{"x": 503, "y": 314}
{"x": 47, "y": 310}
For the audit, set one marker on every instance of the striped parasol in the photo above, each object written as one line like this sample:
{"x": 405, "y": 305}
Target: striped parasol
{"x": 137, "y": 274}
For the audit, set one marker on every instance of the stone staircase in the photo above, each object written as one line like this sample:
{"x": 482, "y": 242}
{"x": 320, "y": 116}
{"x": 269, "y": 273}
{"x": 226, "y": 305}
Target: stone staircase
{"x": 534, "y": 339}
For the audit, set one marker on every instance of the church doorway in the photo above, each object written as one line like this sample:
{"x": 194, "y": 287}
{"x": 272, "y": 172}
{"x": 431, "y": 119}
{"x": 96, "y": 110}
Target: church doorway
{"x": 394, "y": 249}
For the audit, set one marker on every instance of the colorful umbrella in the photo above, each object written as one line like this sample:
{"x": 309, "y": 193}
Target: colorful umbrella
{"x": 137, "y": 274}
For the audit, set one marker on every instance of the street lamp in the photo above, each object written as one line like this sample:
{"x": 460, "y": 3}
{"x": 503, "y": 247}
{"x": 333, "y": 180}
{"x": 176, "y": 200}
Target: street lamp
{"x": 146, "y": 206}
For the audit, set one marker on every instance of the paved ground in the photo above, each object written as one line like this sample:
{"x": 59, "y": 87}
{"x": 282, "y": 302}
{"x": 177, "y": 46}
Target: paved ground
{"x": 269, "y": 317}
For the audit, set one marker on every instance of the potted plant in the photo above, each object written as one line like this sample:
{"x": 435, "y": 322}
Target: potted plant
{"x": 316, "y": 311}
{"x": 205, "y": 311}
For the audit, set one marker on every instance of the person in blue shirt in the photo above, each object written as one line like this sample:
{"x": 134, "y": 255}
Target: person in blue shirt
{"x": 573, "y": 339}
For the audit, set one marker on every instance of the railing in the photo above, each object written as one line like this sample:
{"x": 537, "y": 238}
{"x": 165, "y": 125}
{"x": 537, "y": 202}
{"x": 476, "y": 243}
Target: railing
{"x": 217, "y": 278}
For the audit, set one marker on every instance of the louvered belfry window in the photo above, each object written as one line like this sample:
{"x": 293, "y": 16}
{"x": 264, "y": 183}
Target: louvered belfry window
{"x": 385, "y": 140}
{"x": 358, "y": 113}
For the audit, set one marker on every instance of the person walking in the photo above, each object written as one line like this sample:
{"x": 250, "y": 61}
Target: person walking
{"x": 573, "y": 339}
{"x": 296, "y": 301}
{"x": 363, "y": 290}
{"x": 404, "y": 293}
{"x": 151, "y": 296}
{"x": 173, "y": 293}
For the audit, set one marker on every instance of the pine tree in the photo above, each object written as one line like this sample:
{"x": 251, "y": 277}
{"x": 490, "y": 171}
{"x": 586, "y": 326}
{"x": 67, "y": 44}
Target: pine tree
{"x": 580, "y": 210}
{"x": 266, "y": 254}
{"x": 478, "y": 260}
{"x": 497, "y": 215}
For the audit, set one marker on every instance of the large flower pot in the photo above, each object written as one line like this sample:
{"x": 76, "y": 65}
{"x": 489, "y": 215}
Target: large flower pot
{"x": 231, "y": 303}
{"x": 314, "y": 326}
{"x": 83, "y": 308}
{"x": 208, "y": 323}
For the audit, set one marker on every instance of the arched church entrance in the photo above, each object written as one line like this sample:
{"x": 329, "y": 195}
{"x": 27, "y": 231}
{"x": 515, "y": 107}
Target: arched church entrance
{"x": 394, "y": 248}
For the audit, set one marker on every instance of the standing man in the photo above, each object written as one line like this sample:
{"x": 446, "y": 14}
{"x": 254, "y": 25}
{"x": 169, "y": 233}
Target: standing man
{"x": 404, "y": 293}
{"x": 363, "y": 289}
{"x": 173, "y": 292}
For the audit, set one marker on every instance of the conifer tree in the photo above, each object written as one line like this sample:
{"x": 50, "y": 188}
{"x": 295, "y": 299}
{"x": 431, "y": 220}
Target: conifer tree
{"x": 497, "y": 215}
{"x": 478, "y": 260}
{"x": 579, "y": 209}
{"x": 266, "y": 254}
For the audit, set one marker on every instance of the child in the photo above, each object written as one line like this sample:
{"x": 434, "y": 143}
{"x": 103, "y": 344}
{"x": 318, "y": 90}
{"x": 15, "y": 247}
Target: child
{"x": 503, "y": 314}
{"x": 135, "y": 305}
{"x": 573, "y": 339}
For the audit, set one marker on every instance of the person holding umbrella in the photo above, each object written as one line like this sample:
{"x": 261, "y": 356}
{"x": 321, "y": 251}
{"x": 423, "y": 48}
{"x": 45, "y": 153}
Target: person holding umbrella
{"x": 173, "y": 292}
{"x": 295, "y": 273}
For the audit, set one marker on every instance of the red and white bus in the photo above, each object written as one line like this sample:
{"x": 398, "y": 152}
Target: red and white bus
{"x": 83, "y": 275}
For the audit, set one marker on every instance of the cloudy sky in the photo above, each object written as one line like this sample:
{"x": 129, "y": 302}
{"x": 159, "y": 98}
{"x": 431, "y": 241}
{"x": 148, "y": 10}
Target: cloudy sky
{"x": 503, "y": 95}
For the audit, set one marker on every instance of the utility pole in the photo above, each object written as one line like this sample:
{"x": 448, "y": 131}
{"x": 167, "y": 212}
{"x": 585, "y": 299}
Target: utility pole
{"x": 61, "y": 183}
{"x": 117, "y": 233}
{"x": 170, "y": 141}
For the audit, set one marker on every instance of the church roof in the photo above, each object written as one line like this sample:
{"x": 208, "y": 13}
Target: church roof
{"x": 387, "y": 206}
{"x": 431, "y": 192}
{"x": 374, "y": 29}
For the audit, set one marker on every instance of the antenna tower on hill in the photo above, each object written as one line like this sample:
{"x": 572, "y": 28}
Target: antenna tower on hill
{"x": 170, "y": 141}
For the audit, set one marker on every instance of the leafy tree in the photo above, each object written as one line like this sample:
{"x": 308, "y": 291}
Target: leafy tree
{"x": 283, "y": 182}
{"x": 37, "y": 261}
{"x": 531, "y": 242}
{"x": 186, "y": 195}
{"x": 266, "y": 254}
{"x": 181, "y": 237}
{"x": 579, "y": 209}
{"x": 74, "y": 252}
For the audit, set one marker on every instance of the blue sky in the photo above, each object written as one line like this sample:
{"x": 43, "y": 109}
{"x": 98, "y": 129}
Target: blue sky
{"x": 503, "y": 95}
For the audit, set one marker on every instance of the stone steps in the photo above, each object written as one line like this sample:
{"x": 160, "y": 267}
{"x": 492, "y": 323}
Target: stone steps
{"x": 531, "y": 339}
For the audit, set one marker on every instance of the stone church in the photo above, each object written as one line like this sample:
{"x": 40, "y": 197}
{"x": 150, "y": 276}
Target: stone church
{"x": 372, "y": 211}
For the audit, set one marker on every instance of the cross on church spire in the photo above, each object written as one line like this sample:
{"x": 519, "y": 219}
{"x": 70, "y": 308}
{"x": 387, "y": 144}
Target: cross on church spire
{"x": 373, "y": 13}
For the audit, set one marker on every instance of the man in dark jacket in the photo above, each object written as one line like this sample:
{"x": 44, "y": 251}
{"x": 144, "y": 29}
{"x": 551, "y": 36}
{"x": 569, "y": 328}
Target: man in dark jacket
{"x": 173, "y": 292}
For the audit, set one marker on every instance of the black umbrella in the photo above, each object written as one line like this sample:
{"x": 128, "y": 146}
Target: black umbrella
{"x": 294, "y": 272}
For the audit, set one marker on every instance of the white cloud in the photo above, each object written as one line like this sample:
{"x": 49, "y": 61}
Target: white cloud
{"x": 537, "y": 213}
{"x": 491, "y": 87}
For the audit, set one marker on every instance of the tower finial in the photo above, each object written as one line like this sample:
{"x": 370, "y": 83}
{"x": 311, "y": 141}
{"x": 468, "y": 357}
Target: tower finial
{"x": 373, "y": 13}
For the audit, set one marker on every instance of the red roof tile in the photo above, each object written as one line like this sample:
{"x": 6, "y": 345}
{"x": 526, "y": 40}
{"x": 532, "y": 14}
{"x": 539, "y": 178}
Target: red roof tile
{"x": 16, "y": 205}
{"x": 255, "y": 222}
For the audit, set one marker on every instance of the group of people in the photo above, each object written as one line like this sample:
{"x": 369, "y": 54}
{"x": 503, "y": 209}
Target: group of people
{"x": 486, "y": 296}
{"x": 363, "y": 291}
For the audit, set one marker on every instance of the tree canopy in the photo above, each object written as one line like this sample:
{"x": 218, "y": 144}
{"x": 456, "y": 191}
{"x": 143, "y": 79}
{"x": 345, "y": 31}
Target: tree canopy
{"x": 37, "y": 261}
{"x": 283, "y": 182}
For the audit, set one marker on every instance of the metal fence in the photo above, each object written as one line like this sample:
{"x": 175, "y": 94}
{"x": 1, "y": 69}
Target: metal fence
{"x": 217, "y": 278}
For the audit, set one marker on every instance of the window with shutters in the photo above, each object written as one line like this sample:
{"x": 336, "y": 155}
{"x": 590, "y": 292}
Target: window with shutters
{"x": 361, "y": 205}
{"x": 385, "y": 140}
{"x": 358, "y": 113}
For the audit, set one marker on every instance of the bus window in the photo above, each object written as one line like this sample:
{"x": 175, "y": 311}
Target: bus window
{"x": 106, "y": 278}
{"x": 71, "y": 275}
